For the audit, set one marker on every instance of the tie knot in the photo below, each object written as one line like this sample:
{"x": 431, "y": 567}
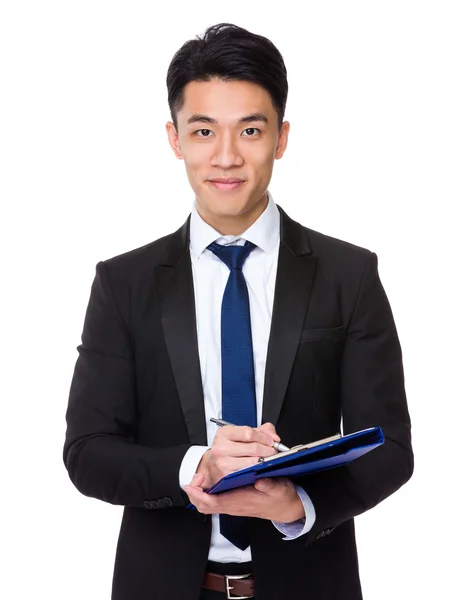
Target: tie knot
{"x": 233, "y": 256}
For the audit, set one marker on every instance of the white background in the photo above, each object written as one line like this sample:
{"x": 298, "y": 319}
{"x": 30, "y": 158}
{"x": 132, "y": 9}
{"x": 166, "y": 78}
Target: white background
{"x": 382, "y": 154}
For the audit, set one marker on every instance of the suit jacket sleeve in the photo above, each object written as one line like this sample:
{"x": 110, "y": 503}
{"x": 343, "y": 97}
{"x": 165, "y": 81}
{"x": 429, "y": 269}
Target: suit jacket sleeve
{"x": 100, "y": 452}
{"x": 372, "y": 393}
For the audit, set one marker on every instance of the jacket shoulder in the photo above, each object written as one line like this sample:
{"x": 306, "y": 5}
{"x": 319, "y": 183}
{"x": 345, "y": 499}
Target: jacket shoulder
{"x": 150, "y": 253}
{"x": 337, "y": 252}
{"x": 140, "y": 262}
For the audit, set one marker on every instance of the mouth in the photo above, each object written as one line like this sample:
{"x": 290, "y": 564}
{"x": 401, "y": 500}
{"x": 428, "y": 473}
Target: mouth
{"x": 226, "y": 184}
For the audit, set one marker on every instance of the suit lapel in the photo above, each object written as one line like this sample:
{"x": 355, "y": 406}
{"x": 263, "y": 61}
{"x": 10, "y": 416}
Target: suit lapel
{"x": 294, "y": 281}
{"x": 177, "y": 304}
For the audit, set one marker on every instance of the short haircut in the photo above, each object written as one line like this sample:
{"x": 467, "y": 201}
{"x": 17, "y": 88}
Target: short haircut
{"x": 229, "y": 53}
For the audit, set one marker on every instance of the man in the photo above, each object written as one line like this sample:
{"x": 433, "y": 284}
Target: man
{"x": 241, "y": 314}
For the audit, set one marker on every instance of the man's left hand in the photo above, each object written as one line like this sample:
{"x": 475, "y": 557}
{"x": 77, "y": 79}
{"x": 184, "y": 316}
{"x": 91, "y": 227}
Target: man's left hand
{"x": 274, "y": 499}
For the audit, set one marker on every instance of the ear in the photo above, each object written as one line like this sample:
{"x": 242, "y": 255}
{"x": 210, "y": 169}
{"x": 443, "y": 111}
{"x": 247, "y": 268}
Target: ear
{"x": 282, "y": 140}
{"x": 173, "y": 139}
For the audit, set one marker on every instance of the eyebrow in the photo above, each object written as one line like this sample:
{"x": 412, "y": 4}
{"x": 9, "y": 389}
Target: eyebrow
{"x": 252, "y": 118}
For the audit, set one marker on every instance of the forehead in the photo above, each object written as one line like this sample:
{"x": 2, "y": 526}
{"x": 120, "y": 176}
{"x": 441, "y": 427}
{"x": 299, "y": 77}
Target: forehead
{"x": 226, "y": 100}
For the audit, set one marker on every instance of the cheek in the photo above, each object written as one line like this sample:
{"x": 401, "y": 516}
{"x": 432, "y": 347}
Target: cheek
{"x": 263, "y": 158}
{"x": 194, "y": 160}
{"x": 262, "y": 170}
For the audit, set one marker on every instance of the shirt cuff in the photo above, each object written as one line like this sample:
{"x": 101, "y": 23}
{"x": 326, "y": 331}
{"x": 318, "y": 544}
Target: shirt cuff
{"x": 190, "y": 463}
{"x": 300, "y": 527}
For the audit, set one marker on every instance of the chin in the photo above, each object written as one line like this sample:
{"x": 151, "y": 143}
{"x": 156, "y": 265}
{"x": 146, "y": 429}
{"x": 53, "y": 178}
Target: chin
{"x": 229, "y": 209}
{"x": 225, "y": 204}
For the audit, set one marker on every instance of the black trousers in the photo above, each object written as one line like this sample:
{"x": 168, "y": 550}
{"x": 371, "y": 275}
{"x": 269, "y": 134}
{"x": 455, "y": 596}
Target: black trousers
{"x": 222, "y": 569}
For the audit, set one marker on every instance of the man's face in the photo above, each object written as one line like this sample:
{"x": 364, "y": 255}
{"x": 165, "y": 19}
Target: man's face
{"x": 228, "y": 138}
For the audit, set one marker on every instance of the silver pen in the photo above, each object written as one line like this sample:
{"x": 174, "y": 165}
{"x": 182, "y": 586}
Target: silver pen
{"x": 221, "y": 423}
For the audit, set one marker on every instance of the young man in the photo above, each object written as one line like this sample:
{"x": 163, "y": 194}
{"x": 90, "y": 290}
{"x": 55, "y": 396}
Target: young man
{"x": 242, "y": 314}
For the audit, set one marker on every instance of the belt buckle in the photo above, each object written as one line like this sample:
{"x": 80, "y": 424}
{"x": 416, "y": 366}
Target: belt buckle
{"x": 230, "y": 587}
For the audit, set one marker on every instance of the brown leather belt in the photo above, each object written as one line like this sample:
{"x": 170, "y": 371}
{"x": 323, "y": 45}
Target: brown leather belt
{"x": 234, "y": 586}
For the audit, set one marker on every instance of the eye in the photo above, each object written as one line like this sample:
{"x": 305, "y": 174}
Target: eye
{"x": 203, "y": 132}
{"x": 251, "y": 129}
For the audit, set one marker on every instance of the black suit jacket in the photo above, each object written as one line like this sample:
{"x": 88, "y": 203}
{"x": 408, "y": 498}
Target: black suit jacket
{"x": 136, "y": 406}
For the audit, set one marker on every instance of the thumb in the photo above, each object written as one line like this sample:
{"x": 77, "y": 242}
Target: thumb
{"x": 197, "y": 479}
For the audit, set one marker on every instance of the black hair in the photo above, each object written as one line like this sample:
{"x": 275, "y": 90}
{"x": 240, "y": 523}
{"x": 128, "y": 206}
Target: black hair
{"x": 229, "y": 53}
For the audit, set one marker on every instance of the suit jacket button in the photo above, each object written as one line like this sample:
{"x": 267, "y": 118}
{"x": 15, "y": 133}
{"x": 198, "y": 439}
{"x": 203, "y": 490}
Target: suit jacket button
{"x": 154, "y": 504}
{"x": 147, "y": 504}
{"x": 168, "y": 501}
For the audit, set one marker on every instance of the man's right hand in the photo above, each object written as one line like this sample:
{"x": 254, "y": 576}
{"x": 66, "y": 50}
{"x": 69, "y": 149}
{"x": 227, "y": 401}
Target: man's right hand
{"x": 234, "y": 448}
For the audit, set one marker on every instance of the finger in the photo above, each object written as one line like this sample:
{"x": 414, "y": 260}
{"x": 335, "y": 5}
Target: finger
{"x": 241, "y": 449}
{"x": 234, "y": 502}
{"x": 246, "y": 501}
{"x": 245, "y": 434}
{"x": 273, "y": 486}
{"x": 265, "y": 485}
{"x": 269, "y": 429}
{"x": 242, "y": 463}
{"x": 229, "y": 464}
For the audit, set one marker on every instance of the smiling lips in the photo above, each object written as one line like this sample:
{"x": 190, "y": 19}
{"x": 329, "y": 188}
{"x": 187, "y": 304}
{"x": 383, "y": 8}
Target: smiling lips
{"x": 226, "y": 183}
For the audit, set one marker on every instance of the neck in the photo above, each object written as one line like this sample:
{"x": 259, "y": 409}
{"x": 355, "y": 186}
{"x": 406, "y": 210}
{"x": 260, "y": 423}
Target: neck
{"x": 233, "y": 224}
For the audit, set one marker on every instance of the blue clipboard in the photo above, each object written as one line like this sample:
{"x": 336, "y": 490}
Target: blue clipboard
{"x": 308, "y": 458}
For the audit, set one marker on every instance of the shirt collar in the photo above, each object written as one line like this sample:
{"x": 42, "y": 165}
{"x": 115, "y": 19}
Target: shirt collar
{"x": 264, "y": 232}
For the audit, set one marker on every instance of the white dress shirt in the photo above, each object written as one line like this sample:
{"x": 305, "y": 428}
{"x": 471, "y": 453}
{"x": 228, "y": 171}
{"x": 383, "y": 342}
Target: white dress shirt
{"x": 210, "y": 276}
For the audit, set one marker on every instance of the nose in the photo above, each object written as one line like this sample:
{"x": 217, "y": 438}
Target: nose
{"x": 226, "y": 154}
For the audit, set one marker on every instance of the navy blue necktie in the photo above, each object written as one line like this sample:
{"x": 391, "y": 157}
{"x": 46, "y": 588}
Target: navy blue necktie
{"x": 238, "y": 377}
